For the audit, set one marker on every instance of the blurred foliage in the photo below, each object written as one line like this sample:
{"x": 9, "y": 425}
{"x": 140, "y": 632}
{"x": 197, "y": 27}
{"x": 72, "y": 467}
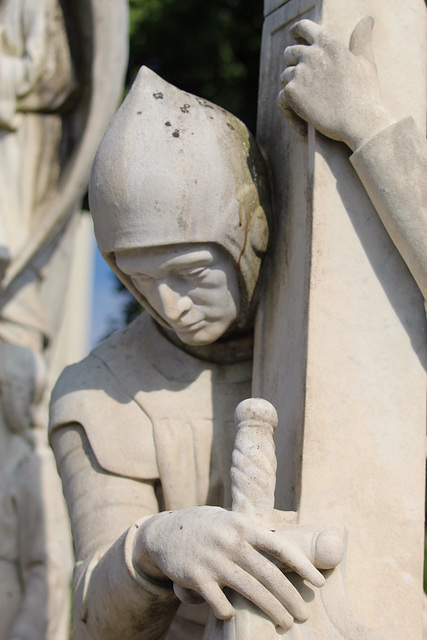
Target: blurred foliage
{"x": 208, "y": 48}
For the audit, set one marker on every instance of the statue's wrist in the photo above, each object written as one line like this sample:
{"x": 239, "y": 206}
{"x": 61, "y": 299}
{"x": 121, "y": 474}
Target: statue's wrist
{"x": 367, "y": 128}
{"x": 144, "y": 550}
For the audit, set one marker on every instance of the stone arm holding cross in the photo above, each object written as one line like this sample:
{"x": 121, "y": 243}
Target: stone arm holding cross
{"x": 336, "y": 90}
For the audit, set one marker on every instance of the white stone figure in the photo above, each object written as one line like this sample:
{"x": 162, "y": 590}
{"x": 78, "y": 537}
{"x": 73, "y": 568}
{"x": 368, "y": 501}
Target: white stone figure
{"x": 37, "y": 79}
{"x": 142, "y": 429}
{"x": 49, "y": 131}
{"x": 336, "y": 89}
{"x": 34, "y": 535}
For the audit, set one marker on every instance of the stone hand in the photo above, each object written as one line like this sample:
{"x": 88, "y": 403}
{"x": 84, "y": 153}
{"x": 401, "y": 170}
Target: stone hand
{"x": 333, "y": 87}
{"x": 205, "y": 549}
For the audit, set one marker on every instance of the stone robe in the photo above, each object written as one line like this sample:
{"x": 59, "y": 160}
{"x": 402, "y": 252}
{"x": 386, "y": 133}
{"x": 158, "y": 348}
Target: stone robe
{"x": 156, "y": 433}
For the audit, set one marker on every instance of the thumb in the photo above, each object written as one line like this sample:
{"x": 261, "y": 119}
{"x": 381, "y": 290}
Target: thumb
{"x": 361, "y": 39}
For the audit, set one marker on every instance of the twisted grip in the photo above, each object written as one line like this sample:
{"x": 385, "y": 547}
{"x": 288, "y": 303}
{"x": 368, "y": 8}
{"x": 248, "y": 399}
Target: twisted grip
{"x": 253, "y": 470}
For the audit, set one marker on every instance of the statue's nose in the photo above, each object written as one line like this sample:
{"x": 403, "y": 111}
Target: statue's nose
{"x": 174, "y": 303}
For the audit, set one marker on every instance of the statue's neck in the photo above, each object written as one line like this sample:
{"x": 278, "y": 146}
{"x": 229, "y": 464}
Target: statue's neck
{"x": 235, "y": 348}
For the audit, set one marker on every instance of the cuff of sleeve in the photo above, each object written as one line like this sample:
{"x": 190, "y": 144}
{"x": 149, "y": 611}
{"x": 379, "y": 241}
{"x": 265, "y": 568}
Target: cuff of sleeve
{"x": 109, "y": 585}
{"x": 155, "y": 587}
{"x": 406, "y": 128}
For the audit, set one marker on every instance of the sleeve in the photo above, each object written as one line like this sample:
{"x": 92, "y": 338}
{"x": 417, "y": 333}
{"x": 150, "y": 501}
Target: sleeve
{"x": 119, "y": 431}
{"x": 392, "y": 167}
{"x": 111, "y": 600}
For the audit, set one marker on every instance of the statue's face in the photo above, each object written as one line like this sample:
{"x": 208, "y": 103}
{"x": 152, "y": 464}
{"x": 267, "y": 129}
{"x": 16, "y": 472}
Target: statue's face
{"x": 194, "y": 288}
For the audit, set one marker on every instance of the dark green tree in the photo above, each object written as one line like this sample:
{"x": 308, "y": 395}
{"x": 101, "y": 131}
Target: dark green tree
{"x": 210, "y": 49}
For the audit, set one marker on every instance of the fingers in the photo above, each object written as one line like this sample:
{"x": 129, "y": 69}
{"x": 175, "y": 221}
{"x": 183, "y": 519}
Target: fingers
{"x": 250, "y": 588}
{"x": 187, "y": 595}
{"x": 219, "y": 603}
{"x": 324, "y": 548}
{"x": 287, "y": 75}
{"x": 290, "y": 555}
{"x": 299, "y": 125}
{"x": 306, "y": 30}
{"x": 361, "y": 39}
{"x": 294, "y": 54}
{"x": 277, "y": 584}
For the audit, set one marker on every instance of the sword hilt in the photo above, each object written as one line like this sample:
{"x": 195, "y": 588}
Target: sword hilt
{"x": 253, "y": 470}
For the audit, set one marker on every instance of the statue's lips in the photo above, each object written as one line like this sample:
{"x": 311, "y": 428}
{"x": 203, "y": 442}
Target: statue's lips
{"x": 189, "y": 328}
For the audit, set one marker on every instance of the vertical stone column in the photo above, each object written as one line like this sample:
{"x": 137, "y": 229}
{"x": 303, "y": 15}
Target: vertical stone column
{"x": 340, "y": 342}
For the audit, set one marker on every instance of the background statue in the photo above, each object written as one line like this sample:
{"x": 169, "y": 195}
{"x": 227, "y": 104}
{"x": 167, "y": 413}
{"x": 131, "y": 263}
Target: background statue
{"x": 55, "y": 102}
{"x": 38, "y": 82}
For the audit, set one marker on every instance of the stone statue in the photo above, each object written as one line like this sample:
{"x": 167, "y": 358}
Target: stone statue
{"x": 37, "y": 79}
{"x": 35, "y": 559}
{"x": 148, "y": 413}
{"x": 141, "y": 428}
{"x": 50, "y": 125}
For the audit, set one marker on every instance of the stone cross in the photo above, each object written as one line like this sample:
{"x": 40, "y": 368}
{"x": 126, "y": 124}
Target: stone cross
{"x": 340, "y": 341}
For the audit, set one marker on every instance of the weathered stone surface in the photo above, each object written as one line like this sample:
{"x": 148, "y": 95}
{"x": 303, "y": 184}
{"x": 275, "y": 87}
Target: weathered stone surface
{"x": 141, "y": 428}
{"x": 342, "y": 332}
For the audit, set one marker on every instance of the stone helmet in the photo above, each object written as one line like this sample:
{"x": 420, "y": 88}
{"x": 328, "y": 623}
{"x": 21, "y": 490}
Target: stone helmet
{"x": 175, "y": 169}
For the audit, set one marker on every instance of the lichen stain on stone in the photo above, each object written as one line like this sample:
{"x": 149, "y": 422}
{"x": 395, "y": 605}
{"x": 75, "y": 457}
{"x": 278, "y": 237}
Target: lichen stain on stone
{"x": 182, "y": 222}
{"x": 138, "y": 113}
{"x": 168, "y": 124}
{"x": 176, "y": 133}
{"x": 185, "y": 108}
{"x": 204, "y": 103}
{"x": 246, "y": 192}
{"x": 158, "y": 95}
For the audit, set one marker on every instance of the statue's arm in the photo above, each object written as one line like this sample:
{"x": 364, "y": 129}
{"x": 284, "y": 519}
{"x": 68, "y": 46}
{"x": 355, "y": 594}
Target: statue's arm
{"x": 128, "y": 560}
{"x": 110, "y": 599}
{"x": 393, "y": 169}
{"x": 336, "y": 90}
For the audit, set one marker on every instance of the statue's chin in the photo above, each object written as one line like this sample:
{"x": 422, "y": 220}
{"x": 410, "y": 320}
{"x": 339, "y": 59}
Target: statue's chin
{"x": 198, "y": 339}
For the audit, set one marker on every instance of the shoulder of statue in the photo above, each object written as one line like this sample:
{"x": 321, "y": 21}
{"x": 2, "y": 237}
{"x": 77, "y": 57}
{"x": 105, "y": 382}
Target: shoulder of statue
{"x": 118, "y": 429}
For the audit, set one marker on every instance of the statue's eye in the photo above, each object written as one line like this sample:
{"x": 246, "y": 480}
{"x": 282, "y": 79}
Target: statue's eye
{"x": 141, "y": 280}
{"x": 195, "y": 274}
